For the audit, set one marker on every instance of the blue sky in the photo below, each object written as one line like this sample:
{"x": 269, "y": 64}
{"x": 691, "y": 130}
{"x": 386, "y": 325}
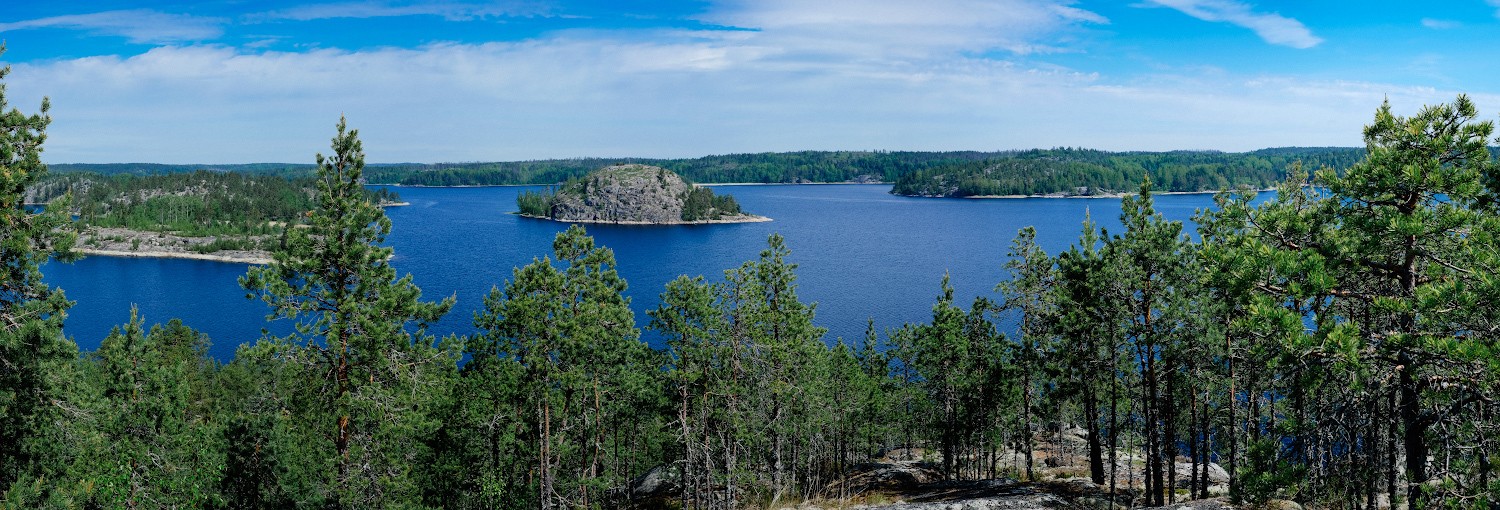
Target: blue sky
{"x": 455, "y": 80}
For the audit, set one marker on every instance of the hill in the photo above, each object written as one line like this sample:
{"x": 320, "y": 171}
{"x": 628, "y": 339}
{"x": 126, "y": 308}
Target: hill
{"x": 633, "y": 194}
{"x": 1084, "y": 172}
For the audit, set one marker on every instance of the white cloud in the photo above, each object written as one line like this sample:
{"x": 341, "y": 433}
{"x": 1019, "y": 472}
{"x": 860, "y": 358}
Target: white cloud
{"x": 1272, "y": 28}
{"x": 686, "y": 94}
{"x": 1496, "y": 5}
{"x": 1441, "y": 24}
{"x": 454, "y": 11}
{"x": 137, "y": 25}
{"x": 901, "y": 29}
{"x": 801, "y": 76}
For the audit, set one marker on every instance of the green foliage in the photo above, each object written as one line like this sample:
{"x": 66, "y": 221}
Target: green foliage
{"x": 578, "y": 404}
{"x": 1093, "y": 172}
{"x": 536, "y": 203}
{"x": 1268, "y": 474}
{"x": 150, "y": 437}
{"x": 35, "y": 358}
{"x": 236, "y": 208}
{"x": 702, "y": 204}
{"x": 359, "y": 376}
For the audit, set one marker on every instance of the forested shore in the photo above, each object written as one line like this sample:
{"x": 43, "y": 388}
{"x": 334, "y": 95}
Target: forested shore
{"x": 917, "y": 173}
{"x": 223, "y": 216}
{"x": 1333, "y": 346}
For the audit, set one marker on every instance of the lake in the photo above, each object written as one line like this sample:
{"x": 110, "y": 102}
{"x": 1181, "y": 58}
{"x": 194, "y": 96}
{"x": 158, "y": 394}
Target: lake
{"x": 862, "y": 253}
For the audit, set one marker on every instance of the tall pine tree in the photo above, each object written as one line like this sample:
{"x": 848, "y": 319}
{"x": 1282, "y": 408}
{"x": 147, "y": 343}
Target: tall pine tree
{"x": 366, "y": 369}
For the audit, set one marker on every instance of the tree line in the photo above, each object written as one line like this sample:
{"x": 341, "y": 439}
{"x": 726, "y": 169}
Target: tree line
{"x": 960, "y": 173}
{"x": 1091, "y": 172}
{"x": 1333, "y": 344}
{"x": 195, "y": 204}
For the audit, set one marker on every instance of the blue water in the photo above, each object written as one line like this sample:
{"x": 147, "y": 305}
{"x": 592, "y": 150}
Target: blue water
{"x": 862, "y": 253}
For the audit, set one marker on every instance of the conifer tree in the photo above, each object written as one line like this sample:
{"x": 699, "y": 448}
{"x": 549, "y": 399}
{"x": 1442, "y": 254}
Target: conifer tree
{"x": 154, "y": 440}
{"x": 35, "y": 358}
{"x": 1389, "y": 267}
{"x": 581, "y": 374}
{"x": 1029, "y": 293}
{"x": 1087, "y": 326}
{"x": 1150, "y": 263}
{"x": 366, "y": 371}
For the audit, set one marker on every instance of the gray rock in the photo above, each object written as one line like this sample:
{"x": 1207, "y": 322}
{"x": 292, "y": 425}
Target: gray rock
{"x": 1281, "y": 504}
{"x": 1216, "y": 474}
{"x": 623, "y": 194}
{"x": 661, "y": 481}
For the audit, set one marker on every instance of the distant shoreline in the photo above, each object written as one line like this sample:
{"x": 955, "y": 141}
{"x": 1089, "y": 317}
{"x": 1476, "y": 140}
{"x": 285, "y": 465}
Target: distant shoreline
{"x": 1059, "y": 195}
{"x": 744, "y": 218}
{"x": 696, "y": 184}
{"x": 252, "y": 258}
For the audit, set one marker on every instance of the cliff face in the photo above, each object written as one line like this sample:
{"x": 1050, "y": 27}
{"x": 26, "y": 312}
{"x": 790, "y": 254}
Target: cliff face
{"x": 634, "y": 194}
{"x": 623, "y": 193}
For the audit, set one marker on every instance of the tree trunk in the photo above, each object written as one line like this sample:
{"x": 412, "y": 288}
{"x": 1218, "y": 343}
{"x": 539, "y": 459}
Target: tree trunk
{"x": 1414, "y": 437}
{"x": 1091, "y": 418}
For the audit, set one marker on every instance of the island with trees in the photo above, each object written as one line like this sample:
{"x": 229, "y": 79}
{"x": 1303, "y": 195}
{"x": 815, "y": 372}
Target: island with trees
{"x": 1087, "y": 172}
{"x": 633, "y": 194}
{"x": 219, "y": 216}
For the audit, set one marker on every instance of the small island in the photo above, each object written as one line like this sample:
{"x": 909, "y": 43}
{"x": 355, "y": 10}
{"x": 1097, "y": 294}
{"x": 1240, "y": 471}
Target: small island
{"x": 633, "y": 194}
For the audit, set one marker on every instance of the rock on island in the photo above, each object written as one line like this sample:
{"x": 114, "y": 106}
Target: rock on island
{"x": 633, "y": 195}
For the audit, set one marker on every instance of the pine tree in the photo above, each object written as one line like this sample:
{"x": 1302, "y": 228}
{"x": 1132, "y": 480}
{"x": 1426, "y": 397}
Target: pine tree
{"x": 154, "y": 440}
{"x": 582, "y": 375}
{"x": 1087, "y": 324}
{"x": 35, "y": 358}
{"x": 1150, "y": 262}
{"x": 1028, "y": 292}
{"x": 368, "y": 370}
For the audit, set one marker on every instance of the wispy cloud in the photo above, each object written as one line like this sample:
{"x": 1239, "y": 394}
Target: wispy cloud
{"x": 1441, "y": 24}
{"x": 1272, "y": 28}
{"x": 136, "y": 25}
{"x": 1496, "y": 5}
{"x": 900, "y": 29}
{"x": 679, "y": 94}
{"x": 453, "y": 11}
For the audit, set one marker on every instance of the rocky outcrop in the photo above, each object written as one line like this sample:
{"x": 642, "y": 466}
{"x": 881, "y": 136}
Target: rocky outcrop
{"x": 120, "y": 242}
{"x": 624, "y": 193}
{"x": 637, "y": 194}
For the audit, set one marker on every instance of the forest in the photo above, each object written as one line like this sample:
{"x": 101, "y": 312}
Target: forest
{"x": 1334, "y": 346}
{"x": 954, "y": 173}
{"x": 239, "y": 210}
{"x": 1093, "y": 172}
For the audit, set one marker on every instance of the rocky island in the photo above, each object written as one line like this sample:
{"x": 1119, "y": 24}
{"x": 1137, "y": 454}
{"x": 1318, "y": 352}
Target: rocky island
{"x": 633, "y": 195}
{"x": 215, "y": 216}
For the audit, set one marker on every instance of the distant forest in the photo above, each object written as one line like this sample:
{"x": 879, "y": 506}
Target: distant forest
{"x": 195, "y": 204}
{"x": 955, "y": 173}
{"x": 1093, "y": 172}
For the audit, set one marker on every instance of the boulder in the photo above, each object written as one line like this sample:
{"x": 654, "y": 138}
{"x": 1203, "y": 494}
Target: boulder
{"x": 659, "y": 482}
{"x": 1281, "y": 504}
{"x": 1216, "y": 474}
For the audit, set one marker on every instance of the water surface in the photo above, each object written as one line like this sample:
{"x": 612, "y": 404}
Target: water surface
{"x": 862, "y": 253}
